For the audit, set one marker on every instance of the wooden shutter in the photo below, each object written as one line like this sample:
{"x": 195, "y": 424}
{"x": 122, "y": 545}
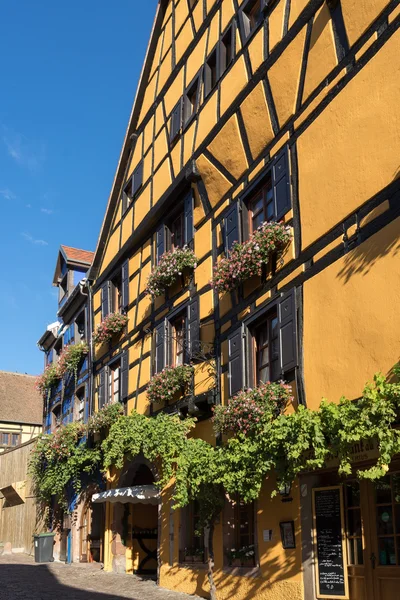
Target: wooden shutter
{"x": 125, "y": 285}
{"x": 105, "y": 300}
{"x": 194, "y": 327}
{"x": 281, "y": 184}
{"x": 232, "y": 227}
{"x": 137, "y": 178}
{"x": 288, "y": 331}
{"x": 236, "y": 361}
{"x": 188, "y": 217}
{"x": 176, "y": 120}
{"x": 160, "y": 343}
{"x": 124, "y": 375}
{"x": 160, "y": 242}
{"x": 102, "y": 390}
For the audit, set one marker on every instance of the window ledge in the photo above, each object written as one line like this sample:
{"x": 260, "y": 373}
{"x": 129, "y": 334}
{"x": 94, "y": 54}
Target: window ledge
{"x": 242, "y": 571}
{"x": 193, "y": 565}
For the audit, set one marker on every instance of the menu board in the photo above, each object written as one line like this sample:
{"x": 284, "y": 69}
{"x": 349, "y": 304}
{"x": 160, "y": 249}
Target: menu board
{"x": 330, "y": 549}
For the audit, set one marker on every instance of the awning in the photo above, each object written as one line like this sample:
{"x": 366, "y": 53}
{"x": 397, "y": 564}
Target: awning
{"x": 138, "y": 494}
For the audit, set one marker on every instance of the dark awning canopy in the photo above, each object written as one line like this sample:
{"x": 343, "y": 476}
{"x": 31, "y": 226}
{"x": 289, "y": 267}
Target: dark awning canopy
{"x": 138, "y": 494}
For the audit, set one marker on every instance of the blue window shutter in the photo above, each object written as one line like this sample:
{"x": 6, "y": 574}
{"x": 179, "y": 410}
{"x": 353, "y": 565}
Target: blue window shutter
{"x": 232, "y": 227}
{"x": 236, "y": 361}
{"x": 281, "y": 184}
{"x": 105, "y": 300}
{"x": 288, "y": 331}
{"x": 125, "y": 285}
{"x": 160, "y": 242}
{"x": 124, "y": 375}
{"x": 188, "y": 214}
{"x": 194, "y": 327}
{"x": 160, "y": 343}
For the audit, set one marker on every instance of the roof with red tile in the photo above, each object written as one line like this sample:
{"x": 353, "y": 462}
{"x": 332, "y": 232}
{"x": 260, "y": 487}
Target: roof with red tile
{"x": 20, "y": 402}
{"x": 77, "y": 255}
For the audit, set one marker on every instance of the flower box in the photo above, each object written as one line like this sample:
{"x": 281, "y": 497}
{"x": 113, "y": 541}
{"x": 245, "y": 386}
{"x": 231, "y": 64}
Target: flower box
{"x": 110, "y": 325}
{"x": 239, "y": 562}
{"x": 251, "y": 257}
{"x": 169, "y": 384}
{"x": 172, "y": 265}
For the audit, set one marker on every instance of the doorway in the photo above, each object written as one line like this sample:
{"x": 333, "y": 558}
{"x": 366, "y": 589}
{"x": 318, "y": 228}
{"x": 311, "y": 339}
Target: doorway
{"x": 372, "y": 515}
{"x": 144, "y": 519}
{"x": 92, "y": 533}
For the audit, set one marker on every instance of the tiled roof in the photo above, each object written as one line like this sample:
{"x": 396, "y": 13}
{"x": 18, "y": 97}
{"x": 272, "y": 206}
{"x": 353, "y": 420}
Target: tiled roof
{"x": 20, "y": 402}
{"x": 77, "y": 255}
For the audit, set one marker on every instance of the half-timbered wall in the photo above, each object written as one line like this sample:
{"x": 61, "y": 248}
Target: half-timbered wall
{"x": 314, "y": 90}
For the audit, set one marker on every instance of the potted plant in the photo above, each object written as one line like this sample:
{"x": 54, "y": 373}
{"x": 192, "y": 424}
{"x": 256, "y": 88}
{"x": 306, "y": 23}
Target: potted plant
{"x": 243, "y": 557}
{"x": 111, "y": 324}
{"x": 164, "y": 386}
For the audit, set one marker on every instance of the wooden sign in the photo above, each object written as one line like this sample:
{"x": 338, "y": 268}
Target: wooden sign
{"x": 329, "y": 543}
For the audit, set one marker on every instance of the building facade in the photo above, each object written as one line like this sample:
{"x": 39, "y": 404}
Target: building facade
{"x": 251, "y": 112}
{"x": 20, "y": 410}
{"x": 68, "y": 401}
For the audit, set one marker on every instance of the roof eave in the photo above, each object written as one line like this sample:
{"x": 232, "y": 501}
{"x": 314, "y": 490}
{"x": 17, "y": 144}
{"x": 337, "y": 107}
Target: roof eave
{"x": 126, "y": 149}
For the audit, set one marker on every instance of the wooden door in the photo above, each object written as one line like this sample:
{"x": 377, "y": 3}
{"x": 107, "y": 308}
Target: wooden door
{"x": 384, "y": 501}
{"x": 358, "y": 540}
{"x": 84, "y": 533}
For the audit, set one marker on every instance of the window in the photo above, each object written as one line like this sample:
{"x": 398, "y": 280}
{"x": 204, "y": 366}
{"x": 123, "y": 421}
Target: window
{"x": 114, "y": 387}
{"x": 127, "y": 195}
{"x": 178, "y": 230}
{"x": 192, "y": 537}
{"x": 81, "y": 325}
{"x": 238, "y": 532}
{"x": 132, "y": 187}
{"x": 252, "y": 15}
{"x": 69, "y": 335}
{"x": 4, "y": 438}
{"x": 80, "y": 404}
{"x": 113, "y": 381}
{"x": 58, "y": 347}
{"x": 264, "y": 350}
{"x": 227, "y": 50}
{"x": 178, "y": 340}
{"x": 261, "y": 207}
{"x": 190, "y": 106}
{"x": 267, "y": 198}
{"x": 244, "y": 524}
{"x": 15, "y": 439}
{"x": 210, "y": 73}
{"x": 137, "y": 178}
{"x": 116, "y": 293}
{"x": 56, "y": 416}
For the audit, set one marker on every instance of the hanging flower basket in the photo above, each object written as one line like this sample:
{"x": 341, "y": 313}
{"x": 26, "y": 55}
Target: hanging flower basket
{"x": 168, "y": 382}
{"x": 48, "y": 379}
{"x": 247, "y": 259}
{"x": 169, "y": 268}
{"x": 112, "y": 323}
{"x": 70, "y": 359}
{"x": 248, "y": 409}
{"x": 105, "y": 417}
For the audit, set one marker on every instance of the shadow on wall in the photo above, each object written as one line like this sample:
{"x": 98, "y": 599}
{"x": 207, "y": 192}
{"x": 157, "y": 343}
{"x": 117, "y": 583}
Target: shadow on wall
{"x": 363, "y": 258}
{"x": 37, "y": 582}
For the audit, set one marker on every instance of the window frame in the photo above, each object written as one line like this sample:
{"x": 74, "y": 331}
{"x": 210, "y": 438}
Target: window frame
{"x": 229, "y": 32}
{"x": 209, "y": 84}
{"x": 193, "y": 88}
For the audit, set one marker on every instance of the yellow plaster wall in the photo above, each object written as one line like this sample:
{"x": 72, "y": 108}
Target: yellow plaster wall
{"x": 339, "y": 167}
{"x": 322, "y": 54}
{"x": 276, "y": 24}
{"x": 347, "y": 309}
{"x": 217, "y": 185}
{"x": 233, "y": 83}
{"x": 284, "y": 77}
{"x": 227, "y": 148}
{"x": 254, "y": 111}
{"x": 359, "y": 14}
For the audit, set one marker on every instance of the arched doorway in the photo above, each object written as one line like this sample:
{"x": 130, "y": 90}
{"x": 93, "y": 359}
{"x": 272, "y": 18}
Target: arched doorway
{"x": 92, "y": 533}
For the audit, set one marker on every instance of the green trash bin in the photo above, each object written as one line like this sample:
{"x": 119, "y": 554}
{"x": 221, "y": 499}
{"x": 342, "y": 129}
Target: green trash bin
{"x": 44, "y": 547}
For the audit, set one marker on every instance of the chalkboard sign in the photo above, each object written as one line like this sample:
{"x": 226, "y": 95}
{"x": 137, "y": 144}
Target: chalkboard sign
{"x": 330, "y": 549}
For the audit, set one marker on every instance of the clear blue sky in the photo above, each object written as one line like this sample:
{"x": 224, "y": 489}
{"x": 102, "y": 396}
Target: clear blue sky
{"x": 68, "y": 76}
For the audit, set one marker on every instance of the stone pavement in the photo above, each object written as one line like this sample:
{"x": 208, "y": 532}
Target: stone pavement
{"x": 22, "y": 579}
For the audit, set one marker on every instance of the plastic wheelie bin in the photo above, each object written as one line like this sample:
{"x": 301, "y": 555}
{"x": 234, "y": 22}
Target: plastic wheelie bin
{"x": 44, "y": 547}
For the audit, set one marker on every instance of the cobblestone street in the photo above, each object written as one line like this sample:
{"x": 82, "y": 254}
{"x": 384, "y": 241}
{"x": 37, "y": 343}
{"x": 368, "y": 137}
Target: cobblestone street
{"x": 22, "y": 579}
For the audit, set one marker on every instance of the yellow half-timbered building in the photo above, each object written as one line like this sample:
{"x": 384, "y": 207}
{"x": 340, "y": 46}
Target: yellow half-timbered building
{"x": 252, "y": 111}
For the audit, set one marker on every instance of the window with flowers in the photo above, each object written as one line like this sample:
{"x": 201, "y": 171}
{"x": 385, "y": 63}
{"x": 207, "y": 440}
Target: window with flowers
{"x": 264, "y": 348}
{"x": 112, "y": 381}
{"x": 191, "y": 535}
